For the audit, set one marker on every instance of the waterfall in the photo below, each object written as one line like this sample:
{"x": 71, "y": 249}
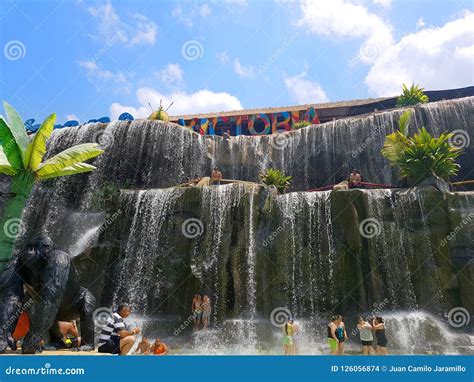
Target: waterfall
{"x": 310, "y": 253}
{"x": 140, "y": 274}
{"x": 252, "y": 251}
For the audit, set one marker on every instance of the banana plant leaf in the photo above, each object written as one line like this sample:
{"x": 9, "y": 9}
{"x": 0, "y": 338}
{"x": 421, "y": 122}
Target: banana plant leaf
{"x": 17, "y": 128}
{"x": 10, "y": 147}
{"x": 70, "y": 170}
{"x": 69, "y": 157}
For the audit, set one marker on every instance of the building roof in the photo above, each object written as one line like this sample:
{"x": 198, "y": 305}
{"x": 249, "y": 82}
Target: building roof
{"x": 317, "y": 106}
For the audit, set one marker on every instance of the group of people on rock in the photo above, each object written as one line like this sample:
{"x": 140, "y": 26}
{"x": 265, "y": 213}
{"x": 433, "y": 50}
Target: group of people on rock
{"x": 368, "y": 329}
{"x": 214, "y": 179}
{"x": 201, "y": 310}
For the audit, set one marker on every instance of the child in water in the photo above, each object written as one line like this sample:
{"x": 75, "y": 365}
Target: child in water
{"x": 288, "y": 337}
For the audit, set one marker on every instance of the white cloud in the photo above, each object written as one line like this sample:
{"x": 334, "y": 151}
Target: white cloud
{"x": 204, "y": 10}
{"x": 343, "y": 19}
{"x": 243, "y": 71}
{"x": 303, "y": 90}
{"x": 170, "y": 75}
{"x": 240, "y": 4}
{"x": 202, "y": 101}
{"x": 420, "y": 23}
{"x": 95, "y": 72}
{"x": 182, "y": 17}
{"x": 436, "y": 58}
{"x": 223, "y": 57}
{"x": 146, "y": 31}
{"x": 383, "y": 3}
{"x": 112, "y": 28}
{"x": 72, "y": 117}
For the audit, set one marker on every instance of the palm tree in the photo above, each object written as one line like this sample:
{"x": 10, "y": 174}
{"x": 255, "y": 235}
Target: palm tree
{"x": 420, "y": 156}
{"x": 21, "y": 158}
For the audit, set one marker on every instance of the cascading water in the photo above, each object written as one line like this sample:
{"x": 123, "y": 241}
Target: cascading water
{"x": 316, "y": 263}
{"x": 140, "y": 273}
{"x": 310, "y": 258}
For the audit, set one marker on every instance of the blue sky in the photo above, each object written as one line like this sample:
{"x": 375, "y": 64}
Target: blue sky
{"x": 85, "y": 59}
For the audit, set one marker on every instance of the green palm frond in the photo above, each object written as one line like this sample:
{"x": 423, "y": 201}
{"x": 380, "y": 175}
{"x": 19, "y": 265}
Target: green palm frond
{"x": 412, "y": 96}
{"x": 69, "y": 157}
{"x": 17, "y": 128}
{"x": 37, "y": 147}
{"x": 77, "y": 168}
{"x": 277, "y": 178}
{"x": 10, "y": 147}
{"x": 5, "y": 166}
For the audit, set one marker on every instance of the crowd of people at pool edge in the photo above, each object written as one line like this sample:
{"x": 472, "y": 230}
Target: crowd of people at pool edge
{"x": 116, "y": 337}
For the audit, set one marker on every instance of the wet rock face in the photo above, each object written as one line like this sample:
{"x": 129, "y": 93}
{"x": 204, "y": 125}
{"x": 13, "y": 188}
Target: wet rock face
{"x": 315, "y": 253}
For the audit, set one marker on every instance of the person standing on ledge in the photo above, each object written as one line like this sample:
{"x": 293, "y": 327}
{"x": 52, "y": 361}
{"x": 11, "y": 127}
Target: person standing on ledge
{"x": 216, "y": 176}
{"x": 115, "y": 338}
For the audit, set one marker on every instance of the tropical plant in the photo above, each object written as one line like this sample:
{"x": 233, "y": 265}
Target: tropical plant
{"x": 412, "y": 96}
{"x": 160, "y": 114}
{"x": 22, "y": 160}
{"x": 420, "y": 156}
{"x": 277, "y": 178}
{"x": 301, "y": 124}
